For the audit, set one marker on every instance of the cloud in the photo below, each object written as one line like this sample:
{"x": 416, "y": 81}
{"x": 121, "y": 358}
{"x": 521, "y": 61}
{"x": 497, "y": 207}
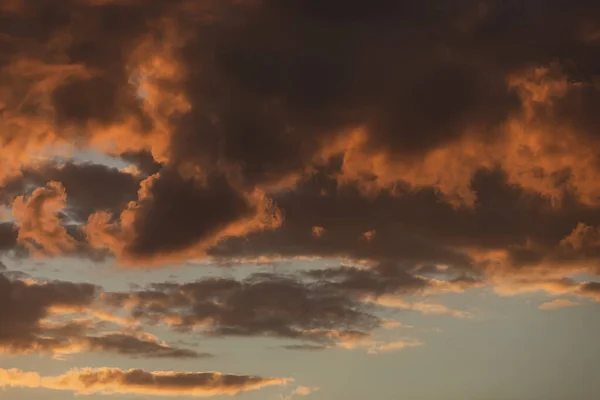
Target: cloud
{"x": 318, "y": 231}
{"x": 310, "y": 347}
{"x": 90, "y": 187}
{"x": 262, "y": 305}
{"x": 341, "y": 139}
{"x": 428, "y": 123}
{"x": 38, "y": 220}
{"x": 145, "y": 224}
{"x": 25, "y": 304}
{"x": 135, "y": 346}
{"x": 8, "y": 236}
{"x": 300, "y": 391}
{"x": 426, "y": 308}
{"x": 334, "y": 307}
{"x": 591, "y": 289}
{"x": 364, "y": 281}
{"x": 304, "y": 391}
{"x": 379, "y": 347}
{"x": 558, "y": 303}
{"x": 109, "y": 381}
{"x": 31, "y": 323}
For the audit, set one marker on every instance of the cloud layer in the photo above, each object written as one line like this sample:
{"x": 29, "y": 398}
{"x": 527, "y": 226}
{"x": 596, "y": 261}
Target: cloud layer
{"x": 428, "y": 147}
{"x": 242, "y": 127}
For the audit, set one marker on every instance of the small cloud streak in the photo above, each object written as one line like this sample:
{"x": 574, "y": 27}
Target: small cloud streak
{"x": 558, "y": 303}
{"x": 384, "y": 347}
{"x": 422, "y": 307}
{"x": 300, "y": 391}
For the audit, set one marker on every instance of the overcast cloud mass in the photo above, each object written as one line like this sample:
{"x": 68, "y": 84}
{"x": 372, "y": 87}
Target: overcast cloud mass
{"x": 319, "y": 178}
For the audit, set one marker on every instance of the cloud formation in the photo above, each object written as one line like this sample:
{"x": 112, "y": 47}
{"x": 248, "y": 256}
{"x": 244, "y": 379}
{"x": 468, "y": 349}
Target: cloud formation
{"x": 38, "y": 220}
{"x": 31, "y": 323}
{"x": 109, "y": 381}
{"x": 25, "y": 304}
{"x": 224, "y": 115}
{"x": 334, "y": 307}
{"x": 262, "y": 305}
{"x": 431, "y": 147}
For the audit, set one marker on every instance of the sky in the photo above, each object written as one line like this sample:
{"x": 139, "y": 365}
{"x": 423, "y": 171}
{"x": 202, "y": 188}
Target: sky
{"x": 289, "y": 199}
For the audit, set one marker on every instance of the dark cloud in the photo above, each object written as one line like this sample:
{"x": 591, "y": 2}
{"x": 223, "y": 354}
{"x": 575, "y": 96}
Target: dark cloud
{"x": 24, "y": 305}
{"x": 321, "y": 308}
{"x": 240, "y": 98}
{"x": 262, "y": 305}
{"x": 310, "y": 347}
{"x": 186, "y": 211}
{"x": 375, "y": 281}
{"x": 102, "y": 36}
{"x": 143, "y": 161}
{"x": 27, "y": 326}
{"x": 138, "y": 347}
{"x": 276, "y": 98}
{"x": 415, "y": 228}
{"x": 8, "y": 236}
{"x": 89, "y": 187}
{"x": 591, "y": 289}
{"x": 84, "y": 188}
{"x": 84, "y": 100}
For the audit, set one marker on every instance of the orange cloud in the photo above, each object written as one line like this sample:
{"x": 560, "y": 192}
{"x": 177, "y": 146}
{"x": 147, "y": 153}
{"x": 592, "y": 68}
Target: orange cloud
{"x": 383, "y": 347}
{"x": 318, "y": 231}
{"x": 300, "y": 391}
{"x": 558, "y": 303}
{"x": 109, "y": 381}
{"x": 422, "y": 307}
{"x": 39, "y": 223}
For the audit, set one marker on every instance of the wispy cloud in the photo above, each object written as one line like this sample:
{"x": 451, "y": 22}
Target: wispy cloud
{"x": 558, "y": 303}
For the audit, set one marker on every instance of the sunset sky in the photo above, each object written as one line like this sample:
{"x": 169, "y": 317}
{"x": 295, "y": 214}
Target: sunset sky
{"x": 300, "y": 199}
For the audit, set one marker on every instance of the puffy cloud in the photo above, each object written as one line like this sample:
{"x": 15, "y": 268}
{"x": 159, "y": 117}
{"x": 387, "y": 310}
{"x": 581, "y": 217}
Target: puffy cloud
{"x": 39, "y": 223}
{"x": 139, "y": 382}
{"x": 89, "y": 187}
